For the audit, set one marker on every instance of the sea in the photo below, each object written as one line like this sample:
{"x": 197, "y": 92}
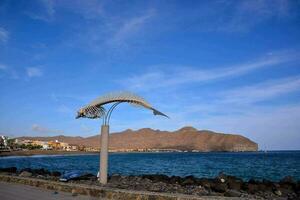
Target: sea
{"x": 271, "y": 165}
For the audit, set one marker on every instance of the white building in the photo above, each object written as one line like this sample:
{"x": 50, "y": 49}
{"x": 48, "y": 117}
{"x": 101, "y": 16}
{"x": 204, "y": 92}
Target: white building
{"x": 4, "y": 141}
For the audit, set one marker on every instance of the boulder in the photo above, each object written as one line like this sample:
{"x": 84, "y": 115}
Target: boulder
{"x": 55, "y": 173}
{"x": 175, "y": 180}
{"x": 114, "y": 178}
{"x": 288, "y": 184}
{"x": 205, "y": 182}
{"x": 232, "y": 193}
{"x": 157, "y": 177}
{"x": 25, "y": 174}
{"x": 234, "y": 184}
{"x": 8, "y": 169}
{"x": 278, "y": 192}
{"x": 40, "y": 171}
{"x": 251, "y": 188}
{"x": 287, "y": 180}
{"x": 219, "y": 187}
{"x": 189, "y": 180}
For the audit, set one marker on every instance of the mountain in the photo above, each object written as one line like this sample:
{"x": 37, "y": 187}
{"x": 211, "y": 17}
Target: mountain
{"x": 186, "y": 138}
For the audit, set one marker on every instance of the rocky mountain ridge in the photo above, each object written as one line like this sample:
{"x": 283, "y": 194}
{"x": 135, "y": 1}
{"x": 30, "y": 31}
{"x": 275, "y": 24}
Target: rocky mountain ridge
{"x": 186, "y": 139}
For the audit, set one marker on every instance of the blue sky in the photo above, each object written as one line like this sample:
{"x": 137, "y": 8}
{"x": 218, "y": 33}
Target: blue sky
{"x": 226, "y": 66}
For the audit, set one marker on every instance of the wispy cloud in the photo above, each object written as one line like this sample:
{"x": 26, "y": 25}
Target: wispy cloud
{"x": 4, "y": 35}
{"x": 88, "y": 9}
{"x": 130, "y": 27}
{"x": 44, "y": 130}
{"x": 86, "y": 129}
{"x": 8, "y": 71}
{"x": 65, "y": 109}
{"x": 242, "y": 16}
{"x": 3, "y": 67}
{"x": 34, "y": 72}
{"x": 44, "y": 10}
{"x": 262, "y": 91}
{"x": 157, "y": 79}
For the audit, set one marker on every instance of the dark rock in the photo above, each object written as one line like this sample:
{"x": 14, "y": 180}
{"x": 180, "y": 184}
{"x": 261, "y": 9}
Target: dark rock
{"x": 287, "y": 180}
{"x": 175, "y": 180}
{"x": 234, "y": 184}
{"x": 250, "y": 188}
{"x": 189, "y": 180}
{"x": 253, "y": 181}
{"x": 205, "y": 182}
{"x": 157, "y": 177}
{"x": 114, "y": 178}
{"x": 55, "y": 173}
{"x": 9, "y": 169}
{"x": 87, "y": 177}
{"x": 297, "y": 189}
{"x": 288, "y": 185}
{"x": 40, "y": 171}
{"x": 219, "y": 187}
{"x": 232, "y": 193}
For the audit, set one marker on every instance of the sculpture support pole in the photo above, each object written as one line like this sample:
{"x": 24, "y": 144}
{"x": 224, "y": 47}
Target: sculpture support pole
{"x": 104, "y": 154}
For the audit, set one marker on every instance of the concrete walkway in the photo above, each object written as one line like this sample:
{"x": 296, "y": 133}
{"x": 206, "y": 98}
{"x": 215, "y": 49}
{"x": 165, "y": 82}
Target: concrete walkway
{"x": 11, "y": 191}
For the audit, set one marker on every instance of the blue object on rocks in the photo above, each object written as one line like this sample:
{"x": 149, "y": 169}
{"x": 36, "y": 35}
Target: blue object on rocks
{"x": 70, "y": 175}
{"x": 76, "y": 175}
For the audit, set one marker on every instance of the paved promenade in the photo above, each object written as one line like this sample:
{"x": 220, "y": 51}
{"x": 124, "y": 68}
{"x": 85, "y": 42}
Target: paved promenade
{"x": 10, "y": 191}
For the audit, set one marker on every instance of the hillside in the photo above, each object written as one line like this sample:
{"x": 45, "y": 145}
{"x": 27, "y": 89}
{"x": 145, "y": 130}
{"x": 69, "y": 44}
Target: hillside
{"x": 187, "y": 138}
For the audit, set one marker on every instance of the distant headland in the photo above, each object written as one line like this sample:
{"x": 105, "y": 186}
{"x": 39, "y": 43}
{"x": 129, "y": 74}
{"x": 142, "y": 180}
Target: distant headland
{"x": 149, "y": 140}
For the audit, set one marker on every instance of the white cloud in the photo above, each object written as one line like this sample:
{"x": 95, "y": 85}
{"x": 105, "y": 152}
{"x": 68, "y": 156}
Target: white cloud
{"x": 262, "y": 91}
{"x": 44, "y": 130}
{"x": 8, "y": 72}
{"x": 159, "y": 79}
{"x": 65, "y": 109}
{"x": 130, "y": 27}
{"x": 242, "y": 16}
{"x": 88, "y": 9}
{"x": 4, "y": 35}
{"x": 3, "y": 67}
{"x": 33, "y": 72}
{"x": 44, "y": 10}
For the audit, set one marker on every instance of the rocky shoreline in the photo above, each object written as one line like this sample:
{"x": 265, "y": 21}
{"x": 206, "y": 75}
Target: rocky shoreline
{"x": 222, "y": 185}
{"x": 44, "y": 152}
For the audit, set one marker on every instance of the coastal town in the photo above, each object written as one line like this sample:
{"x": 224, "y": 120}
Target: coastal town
{"x": 10, "y": 144}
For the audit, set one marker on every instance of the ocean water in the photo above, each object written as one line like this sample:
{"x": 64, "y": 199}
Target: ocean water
{"x": 273, "y": 165}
